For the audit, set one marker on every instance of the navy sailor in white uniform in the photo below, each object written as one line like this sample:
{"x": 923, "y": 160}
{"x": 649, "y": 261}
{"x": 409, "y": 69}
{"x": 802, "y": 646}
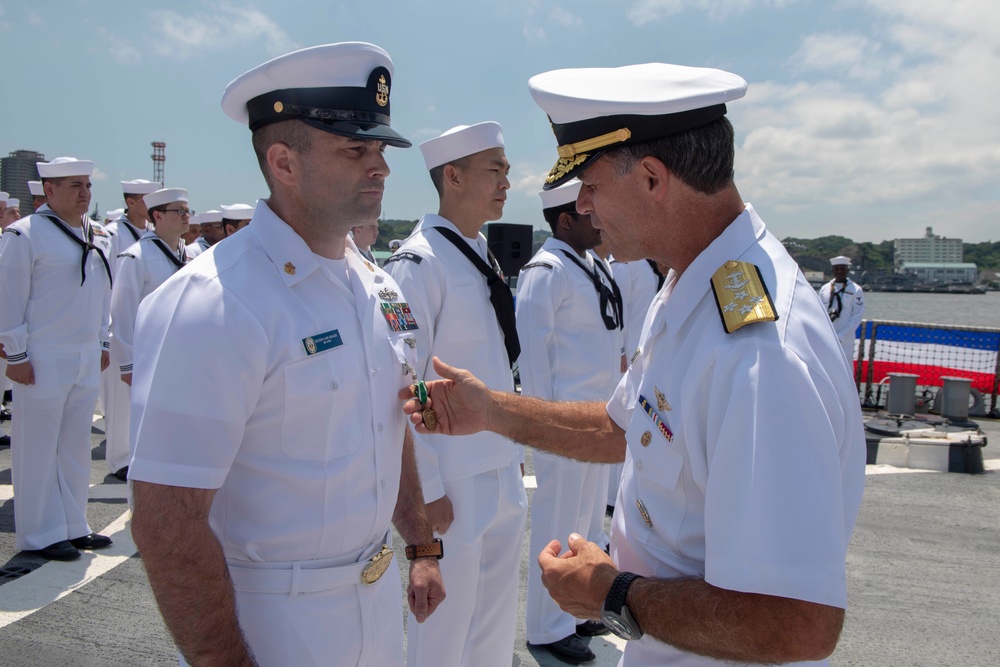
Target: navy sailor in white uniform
{"x": 55, "y": 284}
{"x": 269, "y": 465}
{"x": 735, "y": 510}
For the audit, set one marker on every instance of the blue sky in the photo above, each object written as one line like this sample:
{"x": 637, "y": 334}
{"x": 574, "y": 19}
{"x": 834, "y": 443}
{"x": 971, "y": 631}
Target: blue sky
{"x": 871, "y": 119}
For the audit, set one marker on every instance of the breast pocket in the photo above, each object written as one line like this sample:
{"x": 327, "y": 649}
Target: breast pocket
{"x": 653, "y": 456}
{"x": 321, "y": 421}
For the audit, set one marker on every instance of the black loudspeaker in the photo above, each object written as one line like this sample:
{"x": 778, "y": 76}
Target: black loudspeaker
{"x": 511, "y": 244}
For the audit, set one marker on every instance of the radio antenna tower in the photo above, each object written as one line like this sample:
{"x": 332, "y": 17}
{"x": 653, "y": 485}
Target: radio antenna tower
{"x": 159, "y": 158}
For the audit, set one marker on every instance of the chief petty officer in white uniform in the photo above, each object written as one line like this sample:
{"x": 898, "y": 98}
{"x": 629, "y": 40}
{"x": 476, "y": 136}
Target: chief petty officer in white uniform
{"x": 54, "y": 286}
{"x": 125, "y": 230}
{"x": 143, "y": 267}
{"x": 730, "y": 534}
{"x": 268, "y": 467}
{"x": 569, "y": 324}
{"x": 845, "y": 303}
{"x": 472, "y": 485}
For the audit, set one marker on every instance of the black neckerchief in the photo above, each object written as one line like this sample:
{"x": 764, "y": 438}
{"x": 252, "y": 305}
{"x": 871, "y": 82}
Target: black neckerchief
{"x": 613, "y": 321}
{"x": 835, "y": 310}
{"x": 158, "y": 242}
{"x": 500, "y": 297}
{"x": 659, "y": 276}
{"x": 130, "y": 228}
{"x": 87, "y": 245}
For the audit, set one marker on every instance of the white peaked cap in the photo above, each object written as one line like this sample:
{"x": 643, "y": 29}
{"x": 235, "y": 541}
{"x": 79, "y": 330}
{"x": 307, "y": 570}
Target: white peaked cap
{"x": 237, "y": 212}
{"x": 139, "y": 186}
{"x": 65, "y": 166}
{"x": 36, "y": 189}
{"x": 564, "y": 194}
{"x": 840, "y": 260}
{"x": 595, "y": 109}
{"x": 165, "y": 196}
{"x": 461, "y": 141}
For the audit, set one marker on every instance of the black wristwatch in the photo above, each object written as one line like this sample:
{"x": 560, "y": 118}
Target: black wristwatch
{"x": 615, "y": 614}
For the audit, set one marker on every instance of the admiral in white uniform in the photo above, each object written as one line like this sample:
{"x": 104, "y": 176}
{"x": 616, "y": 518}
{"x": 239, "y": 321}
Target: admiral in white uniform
{"x": 142, "y": 267}
{"x": 54, "y": 282}
{"x": 569, "y": 321}
{"x": 472, "y": 485}
{"x": 845, "y": 304}
{"x": 730, "y": 535}
{"x": 268, "y": 467}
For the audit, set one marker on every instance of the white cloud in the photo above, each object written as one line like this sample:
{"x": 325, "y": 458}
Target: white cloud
{"x": 918, "y": 129}
{"x": 648, "y": 11}
{"x": 565, "y": 18}
{"x": 34, "y": 20}
{"x": 224, "y": 26}
{"x": 533, "y": 33}
{"x": 528, "y": 179}
{"x": 98, "y": 175}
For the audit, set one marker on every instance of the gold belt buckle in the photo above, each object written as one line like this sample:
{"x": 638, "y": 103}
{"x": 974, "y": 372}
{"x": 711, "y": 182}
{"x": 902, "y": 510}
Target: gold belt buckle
{"x": 378, "y": 565}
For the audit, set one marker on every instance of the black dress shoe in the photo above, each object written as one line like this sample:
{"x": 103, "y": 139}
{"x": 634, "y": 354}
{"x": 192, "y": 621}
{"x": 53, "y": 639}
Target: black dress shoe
{"x": 4, "y": 440}
{"x": 122, "y": 474}
{"x": 58, "y": 551}
{"x": 5, "y": 415}
{"x": 591, "y": 629}
{"x": 92, "y": 541}
{"x": 570, "y": 650}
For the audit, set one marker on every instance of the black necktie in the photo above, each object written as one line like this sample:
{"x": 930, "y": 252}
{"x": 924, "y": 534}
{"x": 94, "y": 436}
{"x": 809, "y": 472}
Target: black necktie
{"x": 87, "y": 246}
{"x": 503, "y": 302}
{"x": 178, "y": 263}
{"x": 605, "y": 295}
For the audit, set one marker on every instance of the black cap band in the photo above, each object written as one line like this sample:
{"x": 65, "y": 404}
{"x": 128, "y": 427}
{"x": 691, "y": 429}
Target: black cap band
{"x": 642, "y": 128}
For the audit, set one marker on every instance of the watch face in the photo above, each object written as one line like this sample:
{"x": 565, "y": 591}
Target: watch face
{"x": 618, "y": 625}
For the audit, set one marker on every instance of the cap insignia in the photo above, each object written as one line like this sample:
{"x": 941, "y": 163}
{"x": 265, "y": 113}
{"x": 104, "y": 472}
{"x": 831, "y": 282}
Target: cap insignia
{"x": 618, "y": 136}
{"x": 741, "y": 295}
{"x": 278, "y": 107}
{"x": 564, "y": 166}
{"x": 289, "y": 268}
{"x": 382, "y": 96}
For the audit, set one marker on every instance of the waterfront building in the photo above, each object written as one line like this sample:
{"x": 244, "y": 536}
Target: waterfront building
{"x": 941, "y": 272}
{"x": 15, "y": 171}
{"x": 930, "y": 248}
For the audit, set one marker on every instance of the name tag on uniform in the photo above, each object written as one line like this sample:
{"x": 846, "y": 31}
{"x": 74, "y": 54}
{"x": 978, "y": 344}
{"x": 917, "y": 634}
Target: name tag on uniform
{"x": 399, "y": 317}
{"x": 322, "y": 342}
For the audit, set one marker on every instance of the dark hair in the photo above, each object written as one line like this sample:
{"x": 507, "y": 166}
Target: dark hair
{"x": 701, "y": 158}
{"x": 162, "y": 208}
{"x": 437, "y": 173}
{"x": 292, "y": 133}
{"x": 551, "y": 215}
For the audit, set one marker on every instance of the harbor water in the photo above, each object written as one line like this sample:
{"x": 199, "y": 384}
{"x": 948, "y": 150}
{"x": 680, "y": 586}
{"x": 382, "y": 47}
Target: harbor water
{"x": 978, "y": 310}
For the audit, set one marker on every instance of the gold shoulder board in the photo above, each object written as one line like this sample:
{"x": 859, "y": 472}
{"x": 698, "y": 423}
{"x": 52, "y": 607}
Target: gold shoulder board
{"x": 741, "y": 295}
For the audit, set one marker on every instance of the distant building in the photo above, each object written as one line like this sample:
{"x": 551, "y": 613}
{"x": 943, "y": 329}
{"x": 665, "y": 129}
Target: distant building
{"x": 931, "y": 248}
{"x": 815, "y": 278}
{"x": 942, "y": 272}
{"x": 15, "y": 171}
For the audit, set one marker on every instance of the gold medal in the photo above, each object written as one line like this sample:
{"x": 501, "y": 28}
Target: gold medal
{"x": 430, "y": 419}
{"x": 646, "y": 438}
{"x": 378, "y": 565}
{"x": 661, "y": 400}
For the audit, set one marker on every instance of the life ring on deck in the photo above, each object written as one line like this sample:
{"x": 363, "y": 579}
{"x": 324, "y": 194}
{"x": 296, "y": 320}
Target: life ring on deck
{"x": 976, "y": 408}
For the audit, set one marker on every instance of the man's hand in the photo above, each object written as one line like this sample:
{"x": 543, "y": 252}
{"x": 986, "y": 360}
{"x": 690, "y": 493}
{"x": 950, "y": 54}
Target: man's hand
{"x": 22, "y": 373}
{"x": 3, "y": 353}
{"x": 105, "y": 360}
{"x": 440, "y": 515}
{"x": 426, "y": 589}
{"x": 127, "y": 378}
{"x": 460, "y": 401}
{"x": 579, "y": 579}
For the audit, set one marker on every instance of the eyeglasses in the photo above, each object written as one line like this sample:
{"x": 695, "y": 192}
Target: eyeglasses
{"x": 183, "y": 212}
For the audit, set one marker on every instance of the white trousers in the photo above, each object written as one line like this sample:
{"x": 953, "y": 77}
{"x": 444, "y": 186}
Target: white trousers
{"x": 359, "y": 625}
{"x": 50, "y": 449}
{"x": 570, "y": 498}
{"x": 475, "y": 624}
{"x": 614, "y": 478}
{"x": 116, "y": 396}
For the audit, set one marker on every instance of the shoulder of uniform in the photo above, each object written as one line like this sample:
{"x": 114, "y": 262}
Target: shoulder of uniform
{"x": 536, "y": 265}
{"x": 11, "y": 230}
{"x": 408, "y": 255}
{"x": 741, "y": 296}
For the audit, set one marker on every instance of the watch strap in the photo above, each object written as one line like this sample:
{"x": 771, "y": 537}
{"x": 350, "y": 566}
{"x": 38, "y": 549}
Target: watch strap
{"x": 619, "y": 588}
{"x": 435, "y": 548}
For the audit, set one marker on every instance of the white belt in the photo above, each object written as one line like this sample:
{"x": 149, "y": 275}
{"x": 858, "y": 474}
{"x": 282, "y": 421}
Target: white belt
{"x": 297, "y": 579}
